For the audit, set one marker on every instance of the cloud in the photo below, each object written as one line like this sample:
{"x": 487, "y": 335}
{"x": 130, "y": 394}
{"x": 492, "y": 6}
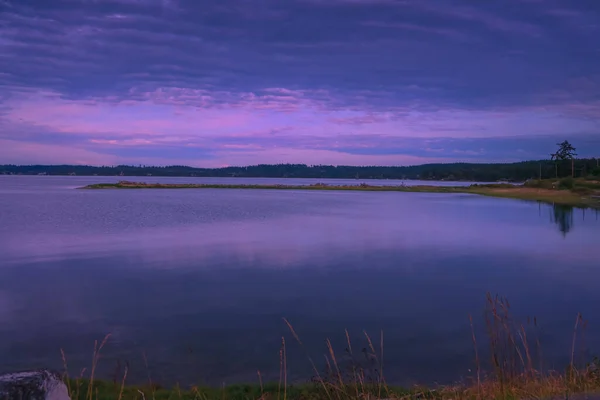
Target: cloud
{"x": 234, "y": 80}
{"x": 492, "y": 21}
{"x": 445, "y": 32}
{"x": 17, "y": 152}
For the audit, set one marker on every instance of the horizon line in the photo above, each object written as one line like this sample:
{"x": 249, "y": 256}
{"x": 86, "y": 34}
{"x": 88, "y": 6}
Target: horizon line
{"x": 279, "y": 164}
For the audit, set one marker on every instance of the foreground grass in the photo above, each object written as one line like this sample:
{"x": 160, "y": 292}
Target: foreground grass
{"x": 546, "y": 388}
{"x": 110, "y": 391}
{"x": 576, "y": 193}
{"x": 514, "y": 372}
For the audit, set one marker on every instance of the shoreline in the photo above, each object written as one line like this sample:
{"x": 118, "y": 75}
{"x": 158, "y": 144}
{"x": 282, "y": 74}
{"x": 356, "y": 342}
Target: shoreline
{"x": 538, "y": 192}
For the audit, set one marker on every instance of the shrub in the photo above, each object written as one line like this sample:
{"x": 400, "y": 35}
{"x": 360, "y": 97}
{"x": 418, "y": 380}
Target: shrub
{"x": 596, "y": 172}
{"x": 590, "y": 184}
{"x": 532, "y": 183}
{"x": 536, "y": 183}
{"x": 583, "y": 191}
{"x": 494, "y": 185}
{"x": 566, "y": 183}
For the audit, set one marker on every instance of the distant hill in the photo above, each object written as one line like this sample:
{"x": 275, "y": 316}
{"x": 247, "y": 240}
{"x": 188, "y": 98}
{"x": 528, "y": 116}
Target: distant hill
{"x": 514, "y": 172}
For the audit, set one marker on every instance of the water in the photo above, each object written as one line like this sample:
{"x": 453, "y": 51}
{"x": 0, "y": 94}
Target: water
{"x": 195, "y": 283}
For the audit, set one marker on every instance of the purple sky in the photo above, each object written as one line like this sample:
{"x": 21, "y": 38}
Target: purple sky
{"x": 237, "y": 82}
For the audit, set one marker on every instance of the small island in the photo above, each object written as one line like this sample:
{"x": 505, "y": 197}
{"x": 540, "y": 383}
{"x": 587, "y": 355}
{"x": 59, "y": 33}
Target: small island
{"x": 566, "y": 191}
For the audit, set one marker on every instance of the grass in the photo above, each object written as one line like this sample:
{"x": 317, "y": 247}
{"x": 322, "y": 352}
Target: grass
{"x": 104, "y": 390}
{"x": 572, "y": 192}
{"x": 514, "y": 370}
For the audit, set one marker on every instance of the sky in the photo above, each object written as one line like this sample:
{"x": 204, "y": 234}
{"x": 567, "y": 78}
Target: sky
{"x": 214, "y": 83}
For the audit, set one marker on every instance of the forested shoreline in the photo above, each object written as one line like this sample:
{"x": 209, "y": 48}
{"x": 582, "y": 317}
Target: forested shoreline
{"x": 513, "y": 172}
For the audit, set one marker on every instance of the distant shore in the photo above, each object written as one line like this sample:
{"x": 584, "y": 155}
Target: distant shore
{"x": 578, "y": 195}
{"x": 457, "y": 172}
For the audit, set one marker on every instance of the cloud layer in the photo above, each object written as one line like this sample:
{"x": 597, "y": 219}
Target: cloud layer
{"x": 235, "y": 82}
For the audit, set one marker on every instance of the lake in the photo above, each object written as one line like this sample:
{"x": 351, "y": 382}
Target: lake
{"x": 193, "y": 285}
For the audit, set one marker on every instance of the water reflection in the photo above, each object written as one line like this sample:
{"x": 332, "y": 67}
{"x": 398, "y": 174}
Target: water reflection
{"x": 215, "y": 271}
{"x": 563, "y": 217}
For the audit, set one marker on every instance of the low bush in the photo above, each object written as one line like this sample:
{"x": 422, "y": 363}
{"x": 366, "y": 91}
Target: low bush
{"x": 582, "y": 190}
{"x": 537, "y": 183}
{"x": 566, "y": 183}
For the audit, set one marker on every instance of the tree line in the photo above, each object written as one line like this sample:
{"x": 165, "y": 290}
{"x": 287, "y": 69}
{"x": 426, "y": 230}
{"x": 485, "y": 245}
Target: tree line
{"x": 490, "y": 172}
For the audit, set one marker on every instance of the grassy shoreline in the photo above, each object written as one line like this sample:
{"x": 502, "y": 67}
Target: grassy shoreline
{"x": 581, "y": 193}
{"x": 513, "y": 370}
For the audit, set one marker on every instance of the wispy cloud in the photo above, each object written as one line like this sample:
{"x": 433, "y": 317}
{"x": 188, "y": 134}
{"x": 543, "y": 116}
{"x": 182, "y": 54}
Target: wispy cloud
{"x": 491, "y": 20}
{"x": 233, "y": 81}
{"x": 413, "y": 27}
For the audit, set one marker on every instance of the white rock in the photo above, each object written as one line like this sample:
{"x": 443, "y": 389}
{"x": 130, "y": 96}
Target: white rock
{"x": 33, "y": 385}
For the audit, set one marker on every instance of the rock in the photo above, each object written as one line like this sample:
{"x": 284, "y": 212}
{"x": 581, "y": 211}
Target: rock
{"x": 33, "y": 385}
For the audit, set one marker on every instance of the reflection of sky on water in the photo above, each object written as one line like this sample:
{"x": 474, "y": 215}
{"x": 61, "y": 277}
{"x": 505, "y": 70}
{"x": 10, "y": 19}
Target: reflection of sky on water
{"x": 201, "y": 280}
{"x": 415, "y": 222}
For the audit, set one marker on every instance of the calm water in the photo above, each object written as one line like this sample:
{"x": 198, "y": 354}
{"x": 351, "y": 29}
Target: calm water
{"x": 198, "y": 281}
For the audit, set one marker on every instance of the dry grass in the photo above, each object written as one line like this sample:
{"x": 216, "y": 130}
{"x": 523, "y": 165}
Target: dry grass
{"x": 515, "y": 371}
{"x": 562, "y": 197}
{"x": 579, "y": 196}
